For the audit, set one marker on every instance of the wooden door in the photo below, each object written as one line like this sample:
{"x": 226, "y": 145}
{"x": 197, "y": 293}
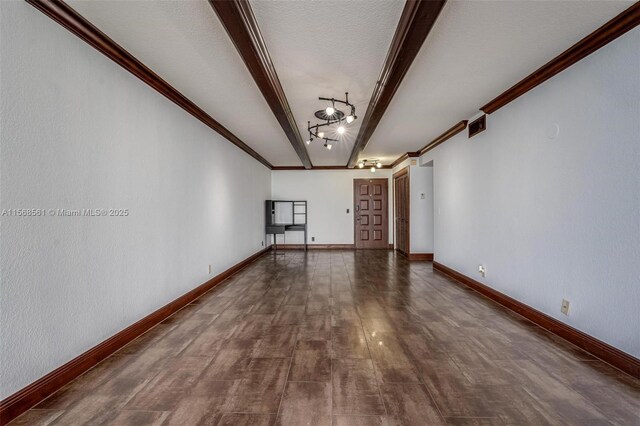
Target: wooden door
{"x": 371, "y": 213}
{"x": 401, "y": 198}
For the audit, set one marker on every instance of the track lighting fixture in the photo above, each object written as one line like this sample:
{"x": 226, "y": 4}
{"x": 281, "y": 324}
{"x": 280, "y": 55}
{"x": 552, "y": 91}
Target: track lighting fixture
{"x": 331, "y": 115}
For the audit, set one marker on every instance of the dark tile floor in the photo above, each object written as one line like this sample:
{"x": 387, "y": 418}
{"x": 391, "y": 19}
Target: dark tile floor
{"x": 345, "y": 338}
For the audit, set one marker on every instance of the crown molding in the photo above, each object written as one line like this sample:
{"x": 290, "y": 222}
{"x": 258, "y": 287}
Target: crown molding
{"x": 610, "y": 31}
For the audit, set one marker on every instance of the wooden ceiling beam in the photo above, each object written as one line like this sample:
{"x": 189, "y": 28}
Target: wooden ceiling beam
{"x": 416, "y": 21}
{"x": 241, "y": 26}
{"x": 66, "y": 16}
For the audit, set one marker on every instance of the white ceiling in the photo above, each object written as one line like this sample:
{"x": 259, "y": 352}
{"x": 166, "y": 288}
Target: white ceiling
{"x": 185, "y": 44}
{"x": 476, "y": 50}
{"x": 326, "y": 48}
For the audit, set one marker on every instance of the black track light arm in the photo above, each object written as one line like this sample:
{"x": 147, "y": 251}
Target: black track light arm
{"x": 345, "y": 102}
{"x": 315, "y": 129}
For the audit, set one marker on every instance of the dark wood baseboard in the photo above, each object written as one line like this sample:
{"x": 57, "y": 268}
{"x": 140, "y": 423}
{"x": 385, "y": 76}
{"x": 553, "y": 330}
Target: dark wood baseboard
{"x": 316, "y": 246}
{"x": 416, "y": 256}
{"x": 21, "y": 401}
{"x": 607, "y": 353}
{"x": 420, "y": 256}
{"x": 322, "y": 247}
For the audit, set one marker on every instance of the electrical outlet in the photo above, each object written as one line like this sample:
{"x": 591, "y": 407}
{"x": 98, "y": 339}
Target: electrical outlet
{"x": 422, "y": 196}
{"x": 347, "y": 211}
{"x": 565, "y": 307}
{"x": 482, "y": 271}
{"x": 263, "y": 244}
{"x": 209, "y": 268}
{"x": 313, "y": 238}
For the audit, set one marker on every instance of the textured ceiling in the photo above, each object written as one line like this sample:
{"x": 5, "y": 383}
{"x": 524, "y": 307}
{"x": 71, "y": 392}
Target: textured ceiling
{"x": 476, "y": 50}
{"x": 326, "y": 48}
{"x": 185, "y": 43}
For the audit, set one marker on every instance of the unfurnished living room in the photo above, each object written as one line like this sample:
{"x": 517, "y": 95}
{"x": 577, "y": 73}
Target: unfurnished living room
{"x": 320, "y": 212}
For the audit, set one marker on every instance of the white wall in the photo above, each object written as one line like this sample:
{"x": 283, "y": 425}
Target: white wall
{"x": 421, "y": 209}
{"x": 80, "y": 132}
{"x": 329, "y": 193}
{"x": 554, "y": 217}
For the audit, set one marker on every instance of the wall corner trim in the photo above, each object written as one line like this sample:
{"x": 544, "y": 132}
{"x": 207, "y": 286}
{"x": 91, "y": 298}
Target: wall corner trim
{"x": 607, "y": 353}
{"x": 24, "y": 399}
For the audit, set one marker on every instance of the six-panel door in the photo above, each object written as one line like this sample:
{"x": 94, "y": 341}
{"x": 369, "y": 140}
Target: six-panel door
{"x": 371, "y": 213}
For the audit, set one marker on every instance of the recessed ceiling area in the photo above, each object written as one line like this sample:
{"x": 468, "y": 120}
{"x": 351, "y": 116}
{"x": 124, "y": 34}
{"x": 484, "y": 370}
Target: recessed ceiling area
{"x": 323, "y": 49}
{"x": 475, "y": 51}
{"x": 185, "y": 44}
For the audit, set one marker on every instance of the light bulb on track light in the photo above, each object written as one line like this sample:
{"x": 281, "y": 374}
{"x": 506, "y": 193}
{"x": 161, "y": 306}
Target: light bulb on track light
{"x": 378, "y": 164}
{"x": 330, "y": 111}
{"x": 321, "y": 135}
{"x": 341, "y": 130}
{"x": 350, "y": 119}
{"x": 373, "y": 169}
{"x": 328, "y": 146}
{"x": 361, "y": 165}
